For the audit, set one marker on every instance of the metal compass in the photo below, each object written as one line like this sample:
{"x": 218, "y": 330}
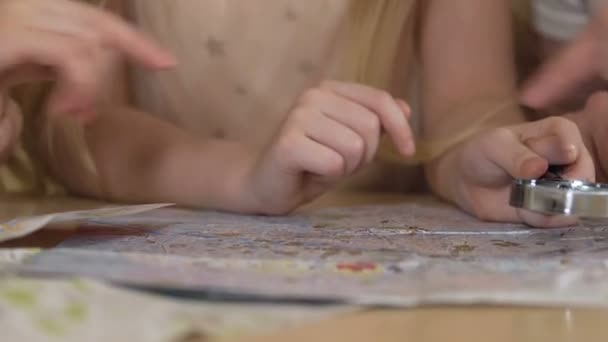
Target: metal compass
{"x": 553, "y": 195}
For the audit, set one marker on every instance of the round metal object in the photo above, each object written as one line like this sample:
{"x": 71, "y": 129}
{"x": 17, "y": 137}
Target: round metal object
{"x": 561, "y": 197}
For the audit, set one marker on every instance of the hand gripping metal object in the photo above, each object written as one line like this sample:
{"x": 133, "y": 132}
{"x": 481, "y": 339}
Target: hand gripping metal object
{"x": 553, "y": 195}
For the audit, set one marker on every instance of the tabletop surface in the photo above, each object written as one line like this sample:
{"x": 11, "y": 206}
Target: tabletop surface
{"x": 466, "y": 323}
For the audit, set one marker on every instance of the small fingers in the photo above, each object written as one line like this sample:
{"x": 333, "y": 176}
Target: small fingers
{"x": 303, "y": 154}
{"x": 391, "y": 114}
{"x": 559, "y": 141}
{"x": 554, "y": 150}
{"x": 349, "y": 114}
{"x": 405, "y": 107}
{"x": 576, "y": 64}
{"x": 335, "y": 136}
{"x": 117, "y": 33}
{"x": 73, "y": 65}
{"x": 513, "y": 156}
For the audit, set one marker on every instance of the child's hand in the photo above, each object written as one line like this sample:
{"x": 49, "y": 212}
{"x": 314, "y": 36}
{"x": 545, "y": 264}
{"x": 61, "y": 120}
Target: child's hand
{"x": 582, "y": 60}
{"x": 10, "y": 126}
{"x": 69, "y": 42}
{"x": 331, "y": 133}
{"x": 482, "y": 169}
{"x": 593, "y": 124}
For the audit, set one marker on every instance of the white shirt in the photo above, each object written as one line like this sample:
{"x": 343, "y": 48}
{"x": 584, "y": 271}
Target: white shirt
{"x": 564, "y": 19}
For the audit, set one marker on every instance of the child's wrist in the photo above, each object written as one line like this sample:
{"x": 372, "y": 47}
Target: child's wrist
{"x": 239, "y": 185}
{"x": 443, "y": 175}
{"x": 218, "y": 173}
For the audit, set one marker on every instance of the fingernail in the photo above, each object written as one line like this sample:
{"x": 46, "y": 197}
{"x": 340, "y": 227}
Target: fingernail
{"x": 405, "y": 107}
{"x": 570, "y": 149}
{"x": 409, "y": 148}
{"x": 167, "y": 61}
{"x": 408, "y": 114}
{"x": 534, "y": 167}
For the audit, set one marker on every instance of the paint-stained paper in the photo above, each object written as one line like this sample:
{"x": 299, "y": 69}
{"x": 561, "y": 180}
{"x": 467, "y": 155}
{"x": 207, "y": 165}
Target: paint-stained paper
{"x": 84, "y": 310}
{"x": 401, "y": 255}
{"x": 23, "y": 226}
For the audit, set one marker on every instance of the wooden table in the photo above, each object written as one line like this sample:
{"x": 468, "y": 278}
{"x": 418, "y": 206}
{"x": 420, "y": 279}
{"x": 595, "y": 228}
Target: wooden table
{"x": 455, "y": 324}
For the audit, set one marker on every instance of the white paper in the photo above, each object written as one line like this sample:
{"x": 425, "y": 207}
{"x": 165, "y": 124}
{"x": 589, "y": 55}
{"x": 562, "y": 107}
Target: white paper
{"x": 21, "y": 227}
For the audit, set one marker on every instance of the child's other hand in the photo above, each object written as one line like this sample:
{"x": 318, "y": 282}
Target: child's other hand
{"x": 593, "y": 124}
{"x": 10, "y": 126}
{"x": 580, "y": 61}
{"x": 68, "y": 42}
{"x": 331, "y": 133}
{"x": 486, "y": 165}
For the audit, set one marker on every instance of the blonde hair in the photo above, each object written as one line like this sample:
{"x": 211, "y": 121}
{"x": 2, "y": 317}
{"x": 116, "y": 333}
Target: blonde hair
{"x": 376, "y": 31}
{"x": 24, "y": 172}
{"x": 27, "y": 171}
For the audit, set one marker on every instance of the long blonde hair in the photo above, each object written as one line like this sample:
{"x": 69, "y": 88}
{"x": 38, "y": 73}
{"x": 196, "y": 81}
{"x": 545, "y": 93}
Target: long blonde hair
{"x": 27, "y": 170}
{"x": 376, "y": 31}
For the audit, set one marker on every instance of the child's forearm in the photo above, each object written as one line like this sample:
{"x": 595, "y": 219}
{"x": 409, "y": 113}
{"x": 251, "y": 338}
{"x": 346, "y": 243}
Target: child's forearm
{"x": 142, "y": 159}
{"x": 440, "y": 175}
{"x": 458, "y": 95}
